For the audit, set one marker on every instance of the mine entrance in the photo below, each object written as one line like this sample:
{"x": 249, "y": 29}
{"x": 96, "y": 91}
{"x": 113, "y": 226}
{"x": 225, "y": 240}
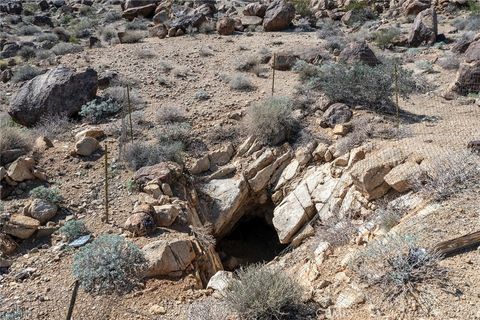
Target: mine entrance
{"x": 253, "y": 239}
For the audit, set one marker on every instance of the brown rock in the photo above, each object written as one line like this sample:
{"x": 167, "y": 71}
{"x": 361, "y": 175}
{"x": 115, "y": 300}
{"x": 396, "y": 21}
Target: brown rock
{"x": 21, "y": 226}
{"x": 226, "y": 26}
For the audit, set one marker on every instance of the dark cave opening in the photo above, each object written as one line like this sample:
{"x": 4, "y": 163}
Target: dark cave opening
{"x": 252, "y": 240}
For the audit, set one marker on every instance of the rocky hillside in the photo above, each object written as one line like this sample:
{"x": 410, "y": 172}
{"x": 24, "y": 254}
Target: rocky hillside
{"x": 239, "y": 160}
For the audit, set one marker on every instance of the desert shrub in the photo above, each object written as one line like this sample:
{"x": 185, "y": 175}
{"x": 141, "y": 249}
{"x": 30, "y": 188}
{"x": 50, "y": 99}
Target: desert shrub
{"x": 73, "y": 229}
{"x": 169, "y": 132}
{"x": 133, "y": 36}
{"x": 240, "y": 82}
{"x": 246, "y": 63}
{"x": 108, "y": 34}
{"x": 402, "y": 272}
{"x": 473, "y": 7}
{"x": 63, "y": 48}
{"x": 424, "y": 65}
{"x": 13, "y": 136}
{"x": 43, "y": 54}
{"x": 180, "y": 72}
{"x": 141, "y": 154}
{"x": 26, "y": 72}
{"x": 47, "y": 37}
{"x": 146, "y": 54}
{"x": 207, "y": 26}
{"x": 449, "y": 62}
{"x": 109, "y": 264}
{"x": 118, "y": 94}
{"x": 271, "y": 120}
{"x": 81, "y": 28}
{"x": 28, "y": 30}
{"x": 137, "y": 24}
{"x": 53, "y": 126}
{"x": 112, "y": 16}
{"x": 164, "y": 66}
{"x": 359, "y": 83}
{"x": 328, "y": 28}
{"x": 170, "y": 114}
{"x": 26, "y": 53}
{"x": 261, "y": 293}
{"x": 448, "y": 175}
{"x": 205, "y": 52}
{"x": 336, "y": 231}
{"x": 16, "y": 314}
{"x": 302, "y": 7}
{"x": 51, "y": 195}
{"x": 98, "y": 109}
{"x": 334, "y": 43}
{"x": 356, "y": 5}
{"x": 384, "y": 38}
{"x": 202, "y": 94}
{"x": 470, "y": 23}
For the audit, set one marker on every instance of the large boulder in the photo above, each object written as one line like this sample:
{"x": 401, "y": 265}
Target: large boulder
{"x": 468, "y": 78}
{"x": 403, "y": 177}
{"x": 58, "y": 91}
{"x": 140, "y": 223}
{"x": 226, "y": 26}
{"x": 278, "y": 16}
{"x": 472, "y": 54}
{"x": 86, "y": 146}
{"x": 163, "y": 172}
{"x": 21, "y": 226}
{"x": 222, "y": 201}
{"x": 414, "y": 7}
{"x": 424, "y": 29}
{"x": 369, "y": 174}
{"x": 359, "y": 52}
{"x": 21, "y": 169}
{"x": 255, "y": 9}
{"x": 41, "y": 210}
{"x": 144, "y": 11}
{"x": 286, "y": 59}
{"x": 168, "y": 257}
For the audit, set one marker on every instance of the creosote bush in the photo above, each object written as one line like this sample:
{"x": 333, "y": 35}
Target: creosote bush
{"x": 402, "y": 272}
{"x": 170, "y": 113}
{"x": 271, "y": 120}
{"x": 73, "y": 229}
{"x": 53, "y": 126}
{"x": 98, "y": 109}
{"x": 63, "y": 48}
{"x": 109, "y": 264}
{"x": 384, "y": 38}
{"x": 51, "y": 195}
{"x": 262, "y": 294}
{"x": 358, "y": 83}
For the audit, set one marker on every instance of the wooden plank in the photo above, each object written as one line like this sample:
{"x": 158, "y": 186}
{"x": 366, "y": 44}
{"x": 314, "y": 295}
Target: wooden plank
{"x": 457, "y": 245}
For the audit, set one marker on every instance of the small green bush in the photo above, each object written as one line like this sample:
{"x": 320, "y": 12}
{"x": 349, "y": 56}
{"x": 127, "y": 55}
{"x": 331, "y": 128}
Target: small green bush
{"x": 16, "y": 314}
{"x": 108, "y": 34}
{"x": 112, "y": 16}
{"x": 302, "y": 7}
{"x": 82, "y": 27}
{"x": 473, "y": 7}
{"x": 271, "y": 121}
{"x": 262, "y": 294}
{"x": 26, "y": 53}
{"x": 51, "y": 195}
{"x": 356, "y": 5}
{"x": 63, "y": 48}
{"x": 360, "y": 84}
{"x": 202, "y": 94}
{"x": 98, "y": 109}
{"x": 109, "y": 264}
{"x": 73, "y": 229}
{"x": 25, "y": 73}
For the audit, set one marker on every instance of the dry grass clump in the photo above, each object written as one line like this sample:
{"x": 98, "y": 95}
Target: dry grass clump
{"x": 25, "y": 73}
{"x": 53, "y": 127}
{"x": 402, "y": 273}
{"x": 449, "y": 174}
{"x": 240, "y": 82}
{"x": 246, "y": 63}
{"x": 271, "y": 120}
{"x": 170, "y": 113}
{"x": 13, "y": 136}
{"x": 262, "y": 294}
